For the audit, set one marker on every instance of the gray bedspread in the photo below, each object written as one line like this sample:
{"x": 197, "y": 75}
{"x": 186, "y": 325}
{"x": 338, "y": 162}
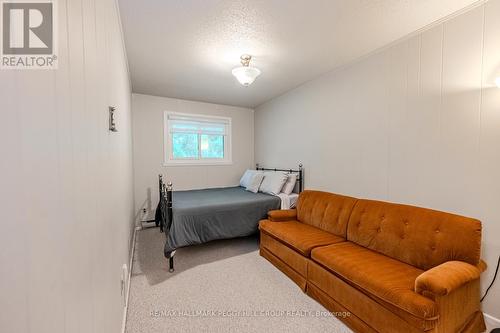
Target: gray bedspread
{"x": 201, "y": 216}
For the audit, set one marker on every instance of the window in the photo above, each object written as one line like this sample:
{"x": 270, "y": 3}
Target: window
{"x": 197, "y": 139}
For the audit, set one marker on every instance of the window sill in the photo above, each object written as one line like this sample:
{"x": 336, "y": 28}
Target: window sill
{"x": 192, "y": 163}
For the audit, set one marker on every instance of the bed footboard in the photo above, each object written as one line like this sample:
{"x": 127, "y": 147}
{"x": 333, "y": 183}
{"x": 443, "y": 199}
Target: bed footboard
{"x": 167, "y": 217}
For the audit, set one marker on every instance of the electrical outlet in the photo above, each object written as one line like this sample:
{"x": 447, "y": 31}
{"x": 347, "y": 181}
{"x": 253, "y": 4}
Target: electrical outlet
{"x": 144, "y": 210}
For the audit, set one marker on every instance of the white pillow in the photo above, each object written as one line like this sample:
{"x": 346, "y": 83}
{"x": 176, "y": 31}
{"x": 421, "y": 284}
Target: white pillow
{"x": 247, "y": 177}
{"x": 255, "y": 181}
{"x": 273, "y": 182}
{"x": 290, "y": 184}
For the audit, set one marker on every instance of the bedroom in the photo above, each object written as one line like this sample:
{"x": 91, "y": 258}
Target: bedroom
{"x": 395, "y": 101}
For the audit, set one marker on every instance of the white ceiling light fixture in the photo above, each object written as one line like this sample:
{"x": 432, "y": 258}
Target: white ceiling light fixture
{"x": 246, "y": 74}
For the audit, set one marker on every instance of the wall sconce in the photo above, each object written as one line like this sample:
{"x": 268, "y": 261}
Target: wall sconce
{"x": 112, "y": 125}
{"x": 497, "y": 82}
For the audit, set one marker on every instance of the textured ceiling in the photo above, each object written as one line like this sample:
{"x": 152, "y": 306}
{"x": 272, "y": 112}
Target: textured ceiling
{"x": 187, "y": 48}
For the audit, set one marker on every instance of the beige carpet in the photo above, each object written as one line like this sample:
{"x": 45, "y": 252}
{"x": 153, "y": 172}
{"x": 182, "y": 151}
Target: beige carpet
{"x": 222, "y": 286}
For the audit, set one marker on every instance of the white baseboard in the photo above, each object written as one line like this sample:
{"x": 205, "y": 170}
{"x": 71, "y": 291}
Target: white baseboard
{"x": 491, "y": 322}
{"x": 131, "y": 260}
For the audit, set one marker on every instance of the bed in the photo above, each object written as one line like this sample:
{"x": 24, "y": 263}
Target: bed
{"x": 199, "y": 216}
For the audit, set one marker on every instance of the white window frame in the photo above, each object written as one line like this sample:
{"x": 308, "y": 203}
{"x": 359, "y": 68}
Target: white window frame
{"x": 167, "y": 142}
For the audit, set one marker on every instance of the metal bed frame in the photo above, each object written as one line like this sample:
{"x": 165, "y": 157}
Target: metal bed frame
{"x": 166, "y": 199}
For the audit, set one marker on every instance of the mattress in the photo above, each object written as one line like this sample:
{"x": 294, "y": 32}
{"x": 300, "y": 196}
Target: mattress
{"x": 288, "y": 200}
{"x": 200, "y": 216}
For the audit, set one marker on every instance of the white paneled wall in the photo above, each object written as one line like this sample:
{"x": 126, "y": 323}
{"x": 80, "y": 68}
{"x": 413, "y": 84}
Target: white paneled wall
{"x": 147, "y": 113}
{"x": 418, "y": 123}
{"x": 66, "y": 182}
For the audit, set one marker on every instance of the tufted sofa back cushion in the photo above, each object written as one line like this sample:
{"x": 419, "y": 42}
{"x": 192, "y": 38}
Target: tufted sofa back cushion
{"x": 420, "y": 237}
{"x": 327, "y": 211}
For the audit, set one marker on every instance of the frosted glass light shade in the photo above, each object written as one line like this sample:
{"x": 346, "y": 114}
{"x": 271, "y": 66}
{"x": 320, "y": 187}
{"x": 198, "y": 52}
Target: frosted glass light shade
{"x": 246, "y": 75}
{"x": 497, "y": 82}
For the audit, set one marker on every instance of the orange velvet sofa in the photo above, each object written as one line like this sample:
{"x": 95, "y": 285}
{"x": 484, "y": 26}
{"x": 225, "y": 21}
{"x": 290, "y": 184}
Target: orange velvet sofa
{"x": 390, "y": 267}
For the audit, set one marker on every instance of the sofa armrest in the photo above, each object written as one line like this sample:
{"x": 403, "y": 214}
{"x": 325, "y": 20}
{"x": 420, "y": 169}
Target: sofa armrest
{"x": 447, "y": 277}
{"x": 282, "y": 215}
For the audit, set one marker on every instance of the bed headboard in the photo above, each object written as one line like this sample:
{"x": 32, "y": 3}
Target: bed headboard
{"x": 299, "y": 172}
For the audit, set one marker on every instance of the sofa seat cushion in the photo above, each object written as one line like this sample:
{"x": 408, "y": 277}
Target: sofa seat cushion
{"x": 299, "y": 236}
{"x": 387, "y": 279}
